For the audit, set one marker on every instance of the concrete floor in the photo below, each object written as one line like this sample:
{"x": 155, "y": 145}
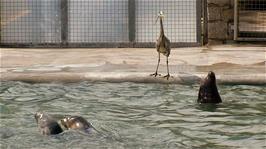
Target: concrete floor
{"x": 233, "y": 64}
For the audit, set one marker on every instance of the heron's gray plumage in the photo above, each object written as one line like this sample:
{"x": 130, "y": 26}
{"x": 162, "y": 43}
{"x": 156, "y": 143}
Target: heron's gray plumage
{"x": 163, "y": 43}
{"x": 163, "y": 46}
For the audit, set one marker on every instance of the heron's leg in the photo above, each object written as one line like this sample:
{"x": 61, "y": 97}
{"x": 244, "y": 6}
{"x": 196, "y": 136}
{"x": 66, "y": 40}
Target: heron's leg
{"x": 156, "y": 72}
{"x": 168, "y": 75}
{"x": 158, "y": 63}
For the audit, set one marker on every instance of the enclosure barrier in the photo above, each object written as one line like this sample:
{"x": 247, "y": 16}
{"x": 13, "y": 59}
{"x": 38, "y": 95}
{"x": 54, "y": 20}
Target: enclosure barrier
{"x": 98, "y": 23}
{"x": 250, "y": 20}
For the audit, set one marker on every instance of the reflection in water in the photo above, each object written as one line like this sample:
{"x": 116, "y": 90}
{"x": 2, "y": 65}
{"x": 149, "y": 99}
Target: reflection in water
{"x": 208, "y": 107}
{"x": 130, "y": 115}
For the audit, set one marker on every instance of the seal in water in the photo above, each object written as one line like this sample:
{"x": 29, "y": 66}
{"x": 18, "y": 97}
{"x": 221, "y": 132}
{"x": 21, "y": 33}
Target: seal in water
{"x": 46, "y": 124}
{"x": 208, "y": 92}
{"x": 76, "y": 122}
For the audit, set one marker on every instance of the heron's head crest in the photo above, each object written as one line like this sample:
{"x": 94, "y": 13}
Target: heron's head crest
{"x": 160, "y": 14}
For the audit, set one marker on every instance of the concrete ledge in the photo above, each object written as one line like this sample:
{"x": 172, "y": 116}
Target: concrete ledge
{"x": 137, "y": 77}
{"x": 233, "y": 64}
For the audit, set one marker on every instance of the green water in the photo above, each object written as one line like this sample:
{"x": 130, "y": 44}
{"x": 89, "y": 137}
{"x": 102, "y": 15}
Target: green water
{"x": 130, "y": 115}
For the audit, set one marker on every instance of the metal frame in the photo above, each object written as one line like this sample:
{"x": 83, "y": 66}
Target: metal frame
{"x": 96, "y": 45}
{"x": 131, "y": 20}
{"x": 204, "y": 23}
{"x": 235, "y": 19}
{"x": 199, "y": 17}
{"x": 64, "y": 22}
{"x": 131, "y": 25}
{"x": 236, "y": 27}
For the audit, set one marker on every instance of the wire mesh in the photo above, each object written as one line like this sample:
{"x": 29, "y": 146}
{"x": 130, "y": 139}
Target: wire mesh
{"x": 31, "y": 21}
{"x": 252, "y": 18}
{"x": 96, "y": 21}
{"x": 180, "y": 23}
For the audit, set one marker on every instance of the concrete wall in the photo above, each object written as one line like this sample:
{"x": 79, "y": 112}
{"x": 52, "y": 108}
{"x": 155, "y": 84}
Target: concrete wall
{"x": 220, "y": 14}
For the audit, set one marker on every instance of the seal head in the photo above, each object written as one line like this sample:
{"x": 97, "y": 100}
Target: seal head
{"x": 76, "y": 122}
{"x": 47, "y": 125}
{"x": 208, "y": 92}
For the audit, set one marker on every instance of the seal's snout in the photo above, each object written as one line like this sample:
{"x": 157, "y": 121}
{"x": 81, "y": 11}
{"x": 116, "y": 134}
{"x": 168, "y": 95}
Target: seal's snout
{"x": 47, "y": 124}
{"x": 211, "y": 75}
{"x": 64, "y": 122}
{"x": 38, "y": 116}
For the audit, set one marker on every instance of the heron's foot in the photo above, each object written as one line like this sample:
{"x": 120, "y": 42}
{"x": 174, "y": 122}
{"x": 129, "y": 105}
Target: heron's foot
{"x": 155, "y": 74}
{"x": 167, "y": 76}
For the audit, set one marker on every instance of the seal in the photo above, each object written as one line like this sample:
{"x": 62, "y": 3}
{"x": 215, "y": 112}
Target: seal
{"x": 208, "y": 92}
{"x": 76, "y": 122}
{"x": 47, "y": 124}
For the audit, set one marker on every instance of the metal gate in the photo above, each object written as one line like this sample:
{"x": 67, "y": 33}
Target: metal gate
{"x": 98, "y": 23}
{"x": 250, "y": 20}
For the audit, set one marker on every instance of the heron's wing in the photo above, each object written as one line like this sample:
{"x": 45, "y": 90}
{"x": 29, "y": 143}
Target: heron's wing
{"x": 167, "y": 44}
{"x": 157, "y": 44}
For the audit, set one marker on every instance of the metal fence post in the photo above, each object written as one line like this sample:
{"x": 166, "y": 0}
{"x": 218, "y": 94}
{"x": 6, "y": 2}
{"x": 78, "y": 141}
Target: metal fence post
{"x": 235, "y": 19}
{"x": 64, "y": 22}
{"x": 0, "y": 31}
{"x": 131, "y": 20}
{"x": 204, "y": 22}
{"x": 198, "y": 18}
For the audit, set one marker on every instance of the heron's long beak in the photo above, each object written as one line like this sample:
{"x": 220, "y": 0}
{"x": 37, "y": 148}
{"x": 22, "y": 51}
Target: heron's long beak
{"x": 156, "y": 20}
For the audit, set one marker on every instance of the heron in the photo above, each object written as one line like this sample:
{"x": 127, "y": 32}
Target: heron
{"x": 162, "y": 46}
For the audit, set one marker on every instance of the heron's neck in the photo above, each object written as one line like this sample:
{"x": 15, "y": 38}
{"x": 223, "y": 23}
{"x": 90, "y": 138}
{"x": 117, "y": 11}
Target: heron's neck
{"x": 161, "y": 23}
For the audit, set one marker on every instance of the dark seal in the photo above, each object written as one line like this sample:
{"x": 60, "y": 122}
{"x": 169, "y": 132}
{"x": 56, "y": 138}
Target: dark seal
{"x": 47, "y": 124}
{"x": 76, "y": 122}
{"x": 208, "y": 92}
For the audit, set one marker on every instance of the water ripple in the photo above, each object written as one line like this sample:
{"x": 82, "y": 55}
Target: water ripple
{"x": 130, "y": 115}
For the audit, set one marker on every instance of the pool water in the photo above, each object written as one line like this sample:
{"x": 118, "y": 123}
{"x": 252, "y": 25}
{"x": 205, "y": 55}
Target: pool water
{"x": 130, "y": 115}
